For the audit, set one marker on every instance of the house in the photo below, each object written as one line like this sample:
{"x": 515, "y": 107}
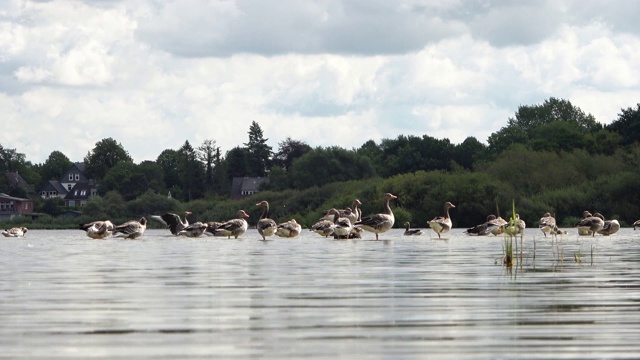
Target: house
{"x": 53, "y": 189}
{"x": 73, "y": 187}
{"x": 16, "y": 181}
{"x": 74, "y": 175}
{"x": 242, "y": 187}
{"x": 11, "y": 206}
{"x": 81, "y": 193}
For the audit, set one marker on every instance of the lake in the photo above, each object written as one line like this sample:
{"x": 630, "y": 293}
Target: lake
{"x": 64, "y": 295}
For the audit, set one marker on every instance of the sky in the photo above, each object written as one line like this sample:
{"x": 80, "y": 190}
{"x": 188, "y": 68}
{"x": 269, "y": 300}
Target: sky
{"x": 153, "y": 74}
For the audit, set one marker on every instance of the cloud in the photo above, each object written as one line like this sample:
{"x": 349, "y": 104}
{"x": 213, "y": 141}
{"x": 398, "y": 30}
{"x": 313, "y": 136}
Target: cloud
{"x": 153, "y": 74}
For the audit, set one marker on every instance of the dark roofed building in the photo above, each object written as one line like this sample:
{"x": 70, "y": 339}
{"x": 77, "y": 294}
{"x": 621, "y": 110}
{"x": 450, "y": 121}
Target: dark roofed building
{"x": 53, "y": 188}
{"x": 80, "y": 194}
{"x": 242, "y": 187}
{"x": 16, "y": 181}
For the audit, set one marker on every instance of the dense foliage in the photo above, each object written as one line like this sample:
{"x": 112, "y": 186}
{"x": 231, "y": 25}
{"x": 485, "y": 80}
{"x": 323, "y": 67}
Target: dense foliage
{"x": 548, "y": 157}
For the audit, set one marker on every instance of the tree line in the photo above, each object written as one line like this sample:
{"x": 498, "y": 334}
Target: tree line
{"x": 548, "y": 157}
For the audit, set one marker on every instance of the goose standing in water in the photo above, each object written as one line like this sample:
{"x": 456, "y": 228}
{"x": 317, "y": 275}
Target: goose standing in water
{"x": 289, "y": 229}
{"x": 610, "y": 227}
{"x": 584, "y": 230}
{"x": 15, "y": 232}
{"x": 592, "y": 223}
{"x": 485, "y": 228}
{"x": 193, "y": 230}
{"x": 379, "y": 223}
{"x": 266, "y": 227}
{"x": 343, "y": 225}
{"x": 131, "y": 229}
{"x": 548, "y": 224}
{"x": 234, "y": 227}
{"x": 323, "y": 227}
{"x": 98, "y": 229}
{"x": 172, "y": 221}
{"x": 517, "y": 228}
{"x": 636, "y": 224}
{"x": 442, "y": 224}
{"x": 411, "y": 232}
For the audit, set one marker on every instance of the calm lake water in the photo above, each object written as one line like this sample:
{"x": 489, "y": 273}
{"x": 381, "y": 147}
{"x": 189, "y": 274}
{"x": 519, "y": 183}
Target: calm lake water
{"x": 63, "y": 295}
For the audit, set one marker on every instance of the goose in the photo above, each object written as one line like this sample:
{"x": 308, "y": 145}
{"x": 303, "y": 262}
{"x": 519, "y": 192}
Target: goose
{"x": 548, "y": 224}
{"x": 584, "y": 230}
{"x": 379, "y": 223}
{"x": 609, "y": 227}
{"x": 636, "y": 224}
{"x": 289, "y": 229}
{"x": 172, "y": 221}
{"x": 15, "y": 232}
{"x": 193, "y": 230}
{"x": 501, "y": 225}
{"x": 98, "y": 229}
{"x": 411, "y": 232}
{"x": 212, "y": 226}
{"x": 517, "y": 228}
{"x": 343, "y": 225}
{"x": 266, "y": 227}
{"x": 131, "y": 229}
{"x": 442, "y": 224}
{"x": 592, "y": 223}
{"x": 234, "y": 227}
{"x": 485, "y": 228}
{"x": 323, "y": 227}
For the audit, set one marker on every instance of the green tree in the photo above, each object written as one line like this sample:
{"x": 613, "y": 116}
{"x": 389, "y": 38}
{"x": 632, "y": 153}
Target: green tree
{"x": 627, "y": 125}
{"x": 125, "y": 178}
{"x": 236, "y": 162}
{"x": 55, "y": 166}
{"x": 191, "y": 172}
{"x": 105, "y": 155}
{"x": 468, "y": 152}
{"x": 207, "y": 153}
{"x": 258, "y": 152}
{"x": 528, "y": 119}
{"x": 168, "y": 160}
{"x": 288, "y": 151}
{"x": 326, "y": 165}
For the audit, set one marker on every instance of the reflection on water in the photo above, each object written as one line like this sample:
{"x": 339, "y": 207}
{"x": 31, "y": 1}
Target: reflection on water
{"x": 65, "y": 295}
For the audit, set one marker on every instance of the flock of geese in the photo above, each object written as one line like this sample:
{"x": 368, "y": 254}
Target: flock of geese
{"x": 345, "y": 223}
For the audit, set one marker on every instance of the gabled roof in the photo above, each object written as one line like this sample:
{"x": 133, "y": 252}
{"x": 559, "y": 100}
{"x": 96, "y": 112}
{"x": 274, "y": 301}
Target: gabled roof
{"x": 252, "y": 183}
{"x": 81, "y": 191}
{"x": 54, "y": 185}
{"x": 15, "y": 180}
{"x": 9, "y": 197}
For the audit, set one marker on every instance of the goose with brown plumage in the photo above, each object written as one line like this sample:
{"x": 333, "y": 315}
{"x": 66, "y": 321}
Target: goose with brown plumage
{"x": 100, "y": 229}
{"x": 411, "y": 232}
{"x": 172, "y": 221}
{"x": 442, "y": 224}
{"x": 15, "y": 232}
{"x": 266, "y": 226}
{"x": 548, "y": 224}
{"x": 131, "y": 229}
{"x": 193, "y": 230}
{"x": 379, "y": 223}
{"x": 289, "y": 229}
{"x": 343, "y": 225}
{"x": 591, "y": 223}
{"x": 485, "y": 228}
{"x": 234, "y": 227}
{"x": 609, "y": 227}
